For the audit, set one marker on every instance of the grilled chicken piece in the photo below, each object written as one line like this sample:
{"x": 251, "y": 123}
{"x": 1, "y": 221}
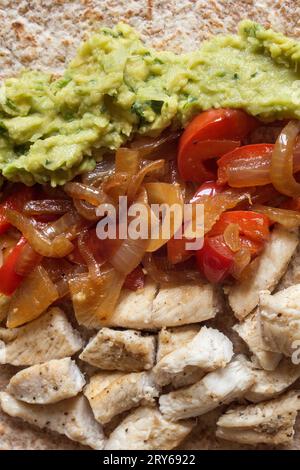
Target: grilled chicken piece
{"x": 112, "y": 394}
{"x": 292, "y": 275}
{"x": 47, "y": 383}
{"x": 207, "y": 351}
{"x": 120, "y": 350}
{"x": 269, "y": 384}
{"x": 250, "y": 331}
{"x": 271, "y": 422}
{"x": 280, "y": 319}
{"x": 170, "y": 339}
{"x": 146, "y": 429}
{"x": 154, "y": 307}
{"x": 72, "y": 417}
{"x": 48, "y": 337}
{"x": 244, "y": 296}
{"x": 216, "y": 388}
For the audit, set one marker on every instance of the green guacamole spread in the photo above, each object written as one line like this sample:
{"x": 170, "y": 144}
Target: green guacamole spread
{"x": 52, "y": 130}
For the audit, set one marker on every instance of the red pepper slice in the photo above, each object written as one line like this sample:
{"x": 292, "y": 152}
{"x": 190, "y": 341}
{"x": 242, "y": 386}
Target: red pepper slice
{"x": 211, "y": 134}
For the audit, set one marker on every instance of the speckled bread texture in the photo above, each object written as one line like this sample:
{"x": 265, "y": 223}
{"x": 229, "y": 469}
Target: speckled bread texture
{"x": 43, "y": 34}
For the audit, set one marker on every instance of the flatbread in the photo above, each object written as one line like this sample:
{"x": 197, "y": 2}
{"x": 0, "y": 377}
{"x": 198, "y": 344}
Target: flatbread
{"x": 43, "y": 35}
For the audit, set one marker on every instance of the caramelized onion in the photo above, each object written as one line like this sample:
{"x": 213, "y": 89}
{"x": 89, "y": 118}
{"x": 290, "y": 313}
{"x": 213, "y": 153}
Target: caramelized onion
{"x": 58, "y": 247}
{"x": 86, "y": 210}
{"x": 282, "y": 161}
{"x": 94, "y": 303}
{"x": 148, "y": 146}
{"x": 242, "y": 259}
{"x": 163, "y": 272}
{"x": 28, "y": 260}
{"x": 88, "y": 257}
{"x": 36, "y": 293}
{"x": 47, "y": 207}
{"x": 285, "y": 217}
{"x": 232, "y": 237}
{"x": 102, "y": 170}
{"x": 215, "y": 205}
{"x": 94, "y": 196}
{"x": 69, "y": 225}
{"x": 137, "y": 180}
{"x": 129, "y": 255}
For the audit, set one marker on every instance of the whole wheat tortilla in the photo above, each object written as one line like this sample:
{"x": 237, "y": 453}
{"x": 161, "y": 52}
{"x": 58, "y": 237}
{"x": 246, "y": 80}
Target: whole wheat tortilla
{"x": 44, "y": 34}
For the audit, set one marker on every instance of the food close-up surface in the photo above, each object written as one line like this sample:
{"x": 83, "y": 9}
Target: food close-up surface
{"x": 149, "y": 225}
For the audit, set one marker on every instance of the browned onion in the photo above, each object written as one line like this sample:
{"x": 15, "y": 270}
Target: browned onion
{"x": 69, "y": 225}
{"x": 28, "y": 261}
{"x": 94, "y": 196}
{"x": 58, "y": 247}
{"x": 47, "y": 207}
{"x": 88, "y": 257}
{"x": 147, "y": 146}
{"x": 281, "y": 172}
{"x": 163, "y": 272}
{"x": 137, "y": 180}
{"x": 86, "y": 210}
{"x": 232, "y": 237}
{"x": 102, "y": 170}
{"x": 287, "y": 218}
{"x": 129, "y": 255}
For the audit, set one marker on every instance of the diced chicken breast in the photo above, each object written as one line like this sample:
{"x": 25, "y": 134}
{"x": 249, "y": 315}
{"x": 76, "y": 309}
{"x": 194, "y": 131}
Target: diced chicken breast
{"x": 47, "y": 383}
{"x": 120, "y": 350}
{"x": 121, "y": 394}
{"x": 48, "y": 337}
{"x": 157, "y": 307}
{"x": 292, "y": 275}
{"x": 207, "y": 351}
{"x": 146, "y": 429}
{"x": 244, "y": 296}
{"x": 269, "y": 384}
{"x": 170, "y": 339}
{"x": 8, "y": 334}
{"x": 216, "y": 388}
{"x": 271, "y": 422}
{"x": 72, "y": 417}
{"x": 250, "y": 331}
{"x": 280, "y": 319}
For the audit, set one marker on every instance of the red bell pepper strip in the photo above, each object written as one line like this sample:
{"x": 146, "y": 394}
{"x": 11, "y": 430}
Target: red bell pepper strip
{"x": 211, "y": 134}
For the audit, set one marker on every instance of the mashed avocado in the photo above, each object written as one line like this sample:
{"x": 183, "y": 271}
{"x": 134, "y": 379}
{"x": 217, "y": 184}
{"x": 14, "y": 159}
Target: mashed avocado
{"x": 52, "y": 130}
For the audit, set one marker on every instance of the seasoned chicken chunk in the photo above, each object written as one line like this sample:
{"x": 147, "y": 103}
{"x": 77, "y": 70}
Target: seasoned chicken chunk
{"x": 120, "y": 350}
{"x": 280, "y": 319}
{"x": 250, "y": 331}
{"x": 269, "y": 384}
{"x": 72, "y": 417}
{"x": 50, "y": 336}
{"x": 47, "y": 383}
{"x": 208, "y": 350}
{"x": 292, "y": 275}
{"x": 243, "y": 296}
{"x": 216, "y": 388}
{"x": 146, "y": 429}
{"x": 170, "y": 339}
{"x": 121, "y": 394}
{"x": 271, "y": 422}
{"x": 156, "y": 307}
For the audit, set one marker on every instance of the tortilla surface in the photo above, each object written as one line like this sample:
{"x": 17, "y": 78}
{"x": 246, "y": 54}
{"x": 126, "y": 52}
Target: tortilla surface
{"x": 44, "y": 35}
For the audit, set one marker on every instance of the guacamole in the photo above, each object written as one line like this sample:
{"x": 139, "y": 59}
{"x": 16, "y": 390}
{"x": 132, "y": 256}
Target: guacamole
{"x": 52, "y": 130}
